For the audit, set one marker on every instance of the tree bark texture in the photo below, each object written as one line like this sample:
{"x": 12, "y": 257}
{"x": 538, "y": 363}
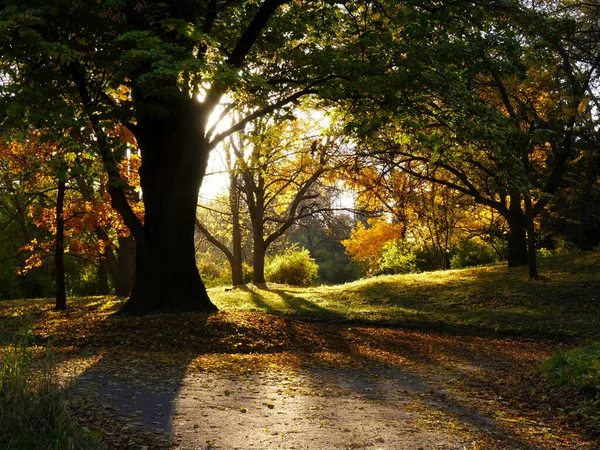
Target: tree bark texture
{"x": 125, "y": 276}
{"x": 237, "y": 272}
{"x": 174, "y": 158}
{"x": 517, "y": 234}
{"x": 258, "y": 258}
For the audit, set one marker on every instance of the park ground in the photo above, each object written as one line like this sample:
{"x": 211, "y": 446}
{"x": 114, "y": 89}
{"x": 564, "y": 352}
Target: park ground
{"x": 435, "y": 360}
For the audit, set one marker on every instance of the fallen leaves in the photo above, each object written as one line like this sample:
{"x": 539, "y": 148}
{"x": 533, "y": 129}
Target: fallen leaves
{"x": 479, "y": 374}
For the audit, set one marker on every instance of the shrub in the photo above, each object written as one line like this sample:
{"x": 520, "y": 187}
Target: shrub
{"x": 577, "y": 369}
{"x": 293, "y": 266}
{"x": 247, "y": 272}
{"x": 397, "y": 257}
{"x": 213, "y": 273}
{"x": 335, "y": 267}
{"x": 33, "y": 411}
{"x": 472, "y": 253}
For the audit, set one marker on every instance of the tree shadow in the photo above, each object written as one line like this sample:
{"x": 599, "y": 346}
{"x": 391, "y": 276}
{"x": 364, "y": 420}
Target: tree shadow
{"x": 148, "y": 368}
{"x": 489, "y": 301}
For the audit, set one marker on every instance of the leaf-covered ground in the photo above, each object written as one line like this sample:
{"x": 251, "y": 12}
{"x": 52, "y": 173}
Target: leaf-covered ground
{"x": 457, "y": 352}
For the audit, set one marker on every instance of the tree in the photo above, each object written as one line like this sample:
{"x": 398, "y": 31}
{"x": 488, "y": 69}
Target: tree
{"x": 321, "y": 235}
{"x": 17, "y": 228}
{"x": 143, "y": 65}
{"x": 281, "y": 166}
{"x": 48, "y": 172}
{"x": 225, "y": 231}
{"x": 59, "y": 183}
{"x": 500, "y": 127}
{"x": 367, "y": 244}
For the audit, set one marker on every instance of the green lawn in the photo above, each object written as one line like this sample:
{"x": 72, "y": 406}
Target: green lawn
{"x": 565, "y": 303}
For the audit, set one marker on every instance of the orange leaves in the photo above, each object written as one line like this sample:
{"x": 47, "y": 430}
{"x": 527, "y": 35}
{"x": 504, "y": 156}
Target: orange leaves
{"x": 38, "y": 251}
{"x": 34, "y": 166}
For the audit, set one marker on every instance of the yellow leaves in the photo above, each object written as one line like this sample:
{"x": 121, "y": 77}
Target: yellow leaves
{"x": 34, "y": 260}
{"x": 87, "y": 207}
{"x": 366, "y": 244}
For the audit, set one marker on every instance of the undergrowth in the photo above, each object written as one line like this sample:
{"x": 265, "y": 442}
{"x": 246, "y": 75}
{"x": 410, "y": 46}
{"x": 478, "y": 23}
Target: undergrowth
{"x": 571, "y": 379}
{"x": 33, "y": 407}
{"x": 577, "y": 369}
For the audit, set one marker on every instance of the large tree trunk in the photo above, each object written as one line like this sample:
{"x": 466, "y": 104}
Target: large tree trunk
{"x": 174, "y": 158}
{"x": 517, "y": 235}
{"x": 517, "y": 242}
{"x": 125, "y": 276}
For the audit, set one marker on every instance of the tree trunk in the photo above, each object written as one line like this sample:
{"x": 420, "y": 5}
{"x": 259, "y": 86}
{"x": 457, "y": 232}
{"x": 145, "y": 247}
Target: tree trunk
{"x": 103, "y": 288}
{"x": 174, "y": 159}
{"x": 125, "y": 276}
{"x": 237, "y": 269}
{"x": 517, "y": 242}
{"x": 517, "y": 236}
{"x": 237, "y": 273}
{"x": 61, "y": 293}
{"x": 530, "y": 226}
{"x": 258, "y": 260}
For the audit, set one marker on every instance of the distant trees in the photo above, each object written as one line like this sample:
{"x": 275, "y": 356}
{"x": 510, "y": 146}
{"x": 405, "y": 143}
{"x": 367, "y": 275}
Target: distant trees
{"x": 277, "y": 171}
{"x": 502, "y": 125}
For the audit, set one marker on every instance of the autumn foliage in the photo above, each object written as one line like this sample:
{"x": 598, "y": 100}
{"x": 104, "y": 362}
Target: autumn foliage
{"x": 366, "y": 244}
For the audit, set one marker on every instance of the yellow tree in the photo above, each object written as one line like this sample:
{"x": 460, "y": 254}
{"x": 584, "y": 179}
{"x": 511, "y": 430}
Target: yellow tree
{"x": 367, "y": 243}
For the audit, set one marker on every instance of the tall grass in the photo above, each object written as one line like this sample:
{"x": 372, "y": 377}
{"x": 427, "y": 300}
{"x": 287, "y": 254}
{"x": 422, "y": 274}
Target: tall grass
{"x": 34, "y": 414}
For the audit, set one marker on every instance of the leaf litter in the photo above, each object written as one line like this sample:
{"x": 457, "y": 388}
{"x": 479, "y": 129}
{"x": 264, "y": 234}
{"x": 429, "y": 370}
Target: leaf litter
{"x": 174, "y": 380}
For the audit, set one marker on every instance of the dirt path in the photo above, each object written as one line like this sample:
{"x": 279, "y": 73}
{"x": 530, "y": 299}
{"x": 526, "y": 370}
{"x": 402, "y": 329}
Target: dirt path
{"x": 373, "y": 388}
{"x": 311, "y": 409}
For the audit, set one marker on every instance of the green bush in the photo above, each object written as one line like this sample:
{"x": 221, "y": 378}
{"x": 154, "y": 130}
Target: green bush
{"x": 335, "y": 267}
{"x": 33, "y": 411}
{"x": 213, "y": 273}
{"x": 293, "y": 266}
{"x": 397, "y": 257}
{"x": 578, "y": 368}
{"x": 472, "y": 253}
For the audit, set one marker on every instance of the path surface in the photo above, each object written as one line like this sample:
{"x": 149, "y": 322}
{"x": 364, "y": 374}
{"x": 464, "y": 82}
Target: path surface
{"x": 373, "y": 388}
{"x": 310, "y": 409}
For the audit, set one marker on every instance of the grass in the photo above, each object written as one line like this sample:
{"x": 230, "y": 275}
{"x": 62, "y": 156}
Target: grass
{"x": 577, "y": 369}
{"x": 33, "y": 411}
{"x": 490, "y": 299}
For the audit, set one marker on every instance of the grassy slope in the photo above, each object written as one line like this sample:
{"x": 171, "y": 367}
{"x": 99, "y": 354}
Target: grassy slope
{"x": 564, "y": 304}
{"x": 491, "y": 300}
